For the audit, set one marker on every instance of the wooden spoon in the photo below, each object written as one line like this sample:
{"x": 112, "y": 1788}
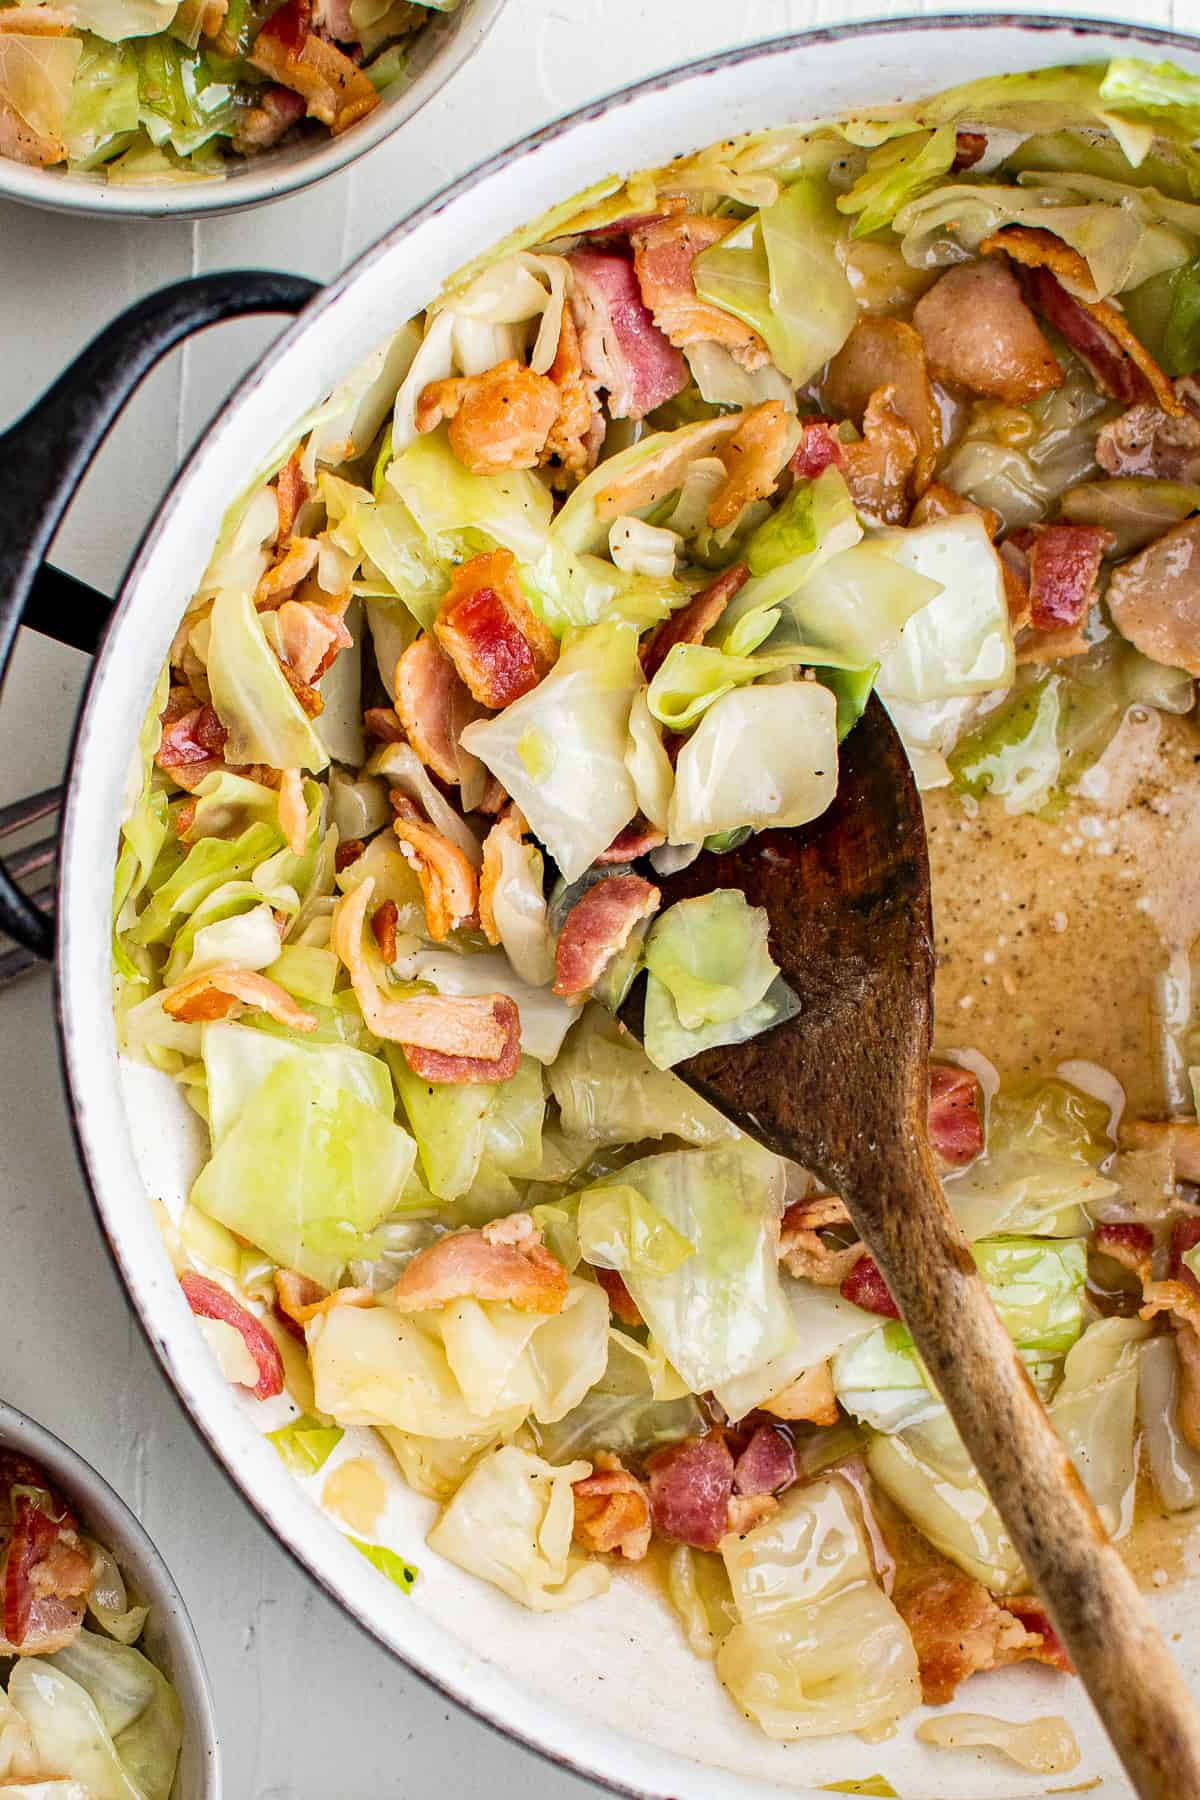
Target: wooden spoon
{"x": 843, "y": 1090}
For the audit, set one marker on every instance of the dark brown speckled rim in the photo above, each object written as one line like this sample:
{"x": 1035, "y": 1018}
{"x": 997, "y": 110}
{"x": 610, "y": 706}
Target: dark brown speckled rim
{"x": 1084, "y": 29}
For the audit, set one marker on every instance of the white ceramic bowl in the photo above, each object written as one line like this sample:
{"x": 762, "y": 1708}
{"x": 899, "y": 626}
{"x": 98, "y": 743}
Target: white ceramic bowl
{"x": 443, "y": 46}
{"x": 608, "y": 1689}
{"x": 172, "y": 1639}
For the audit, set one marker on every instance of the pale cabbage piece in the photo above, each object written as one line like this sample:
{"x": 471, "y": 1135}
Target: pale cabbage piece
{"x": 650, "y": 768}
{"x": 818, "y": 1648}
{"x": 249, "y": 940}
{"x": 698, "y": 1588}
{"x": 1095, "y": 1414}
{"x": 137, "y": 1704}
{"x": 619, "y": 1229}
{"x": 667, "y": 1041}
{"x": 449, "y": 1122}
{"x": 443, "y": 496}
{"x": 402, "y": 768}
{"x": 18, "y": 1756}
{"x": 461, "y": 1370}
{"x": 609, "y": 1092}
{"x": 1045, "y": 1746}
{"x": 960, "y": 641}
{"x": 518, "y": 904}
{"x": 721, "y": 1311}
{"x": 761, "y": 756}
{"x": 67, "y": 1730}
{"x": 711, "y": 953}
{"x": 1174, "y": 1464}
{"x": 229, "y": 1351}
{"x": 109, "y": 1601}
{"x": 824, "y": 1323}
{"x": 264, "y": 719}
{"x": 858, "y": 602}
{"x": 929, "y": 1475}
{"x": 347, "y": 424}
{"x": 436, "y": 1467}
{"x": 567, "y": 738}
{"x": 723, "y": 381}
{"x": 1046, "y": 1144}
{"x": 631, "y": 1411}
{"x": 511, "y": 1523}
{"x": 641, "y": 549}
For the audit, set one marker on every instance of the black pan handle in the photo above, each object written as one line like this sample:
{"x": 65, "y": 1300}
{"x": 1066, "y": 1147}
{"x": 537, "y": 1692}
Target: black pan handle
{"x": 43, "y": 458}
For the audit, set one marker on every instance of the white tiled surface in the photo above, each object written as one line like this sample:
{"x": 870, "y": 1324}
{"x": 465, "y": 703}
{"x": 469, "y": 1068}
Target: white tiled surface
{"x": 309, "y": 1709}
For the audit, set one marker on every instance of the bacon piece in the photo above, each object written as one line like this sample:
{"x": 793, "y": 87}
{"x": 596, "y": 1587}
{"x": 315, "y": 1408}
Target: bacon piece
{"x": 816, "y": 1211}
{"x": 484, "y": 1265}
{"x": 208, "y": 1300}
{"x": 612, "y": 1511}
{"x": 754, "y": 456}
{"x": 449, "y": 884}
{"x": 941, "y": 502}
{"x": 1096, "y": 330}
{"x": 819, "y": 448}
{"x": 1029, "y": 1609}
{"x": 691, "y": 1485}
{"x": 809, "y": 1397}
{"x": 969, "y": 147}
{"x": 958, "y": 1629}
{"x": 575, "y": 437}
{"x": 293, "y": 813}
{"x": 1154, "y": 599}
{"x": 226, "y": 993}
{"x": 1130, "y": 1245}
{"x": 883, "y": 352}
{"x": 47, "y": 1578}
{"x": 485, "y": 625}
{"x": 693, "y": 622}
{"x": 864, "y": 1286}
{"x": 442, "y": 1069}
{"x": 979, "y": 334}
{"x": 767, "y": 1465}
{"x": 334, "y": 19}
{"x": 879, "y": 469}
{"x": 310, "y": 638}
{"x": 663, "y": 254}
{"x": 620, "y": 1300}
{"x": 383, "y": 927}
{"x": 383, "y": 723}
{"x": 1064, "y": 567}
{"x": 1148, "y": 441}
{"x": 955, "y": 1114}
{"x": 806, "y": 1255}
{"x": 291, "y": 489}
{"x": 623, "y": 350}
{"x": 347, "y": 852}
{"x": 282, "y": 579}
{"x": 191, "y": 734}
{"x": 498, "y": 420}
{"x": 637, "y": 839}
{"x": 748, "y": 1510}
{"x": 597, "y": 928}
{"x": 300, "y": 1299}
{"x": 334, "y": 89}
{"x": 432, "y": 704}
{"x": 507, "y": 833}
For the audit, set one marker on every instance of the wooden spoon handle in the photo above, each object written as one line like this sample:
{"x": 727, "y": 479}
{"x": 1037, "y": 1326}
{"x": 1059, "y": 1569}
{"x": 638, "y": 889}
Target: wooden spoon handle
{"x": 1097, "y": 1610}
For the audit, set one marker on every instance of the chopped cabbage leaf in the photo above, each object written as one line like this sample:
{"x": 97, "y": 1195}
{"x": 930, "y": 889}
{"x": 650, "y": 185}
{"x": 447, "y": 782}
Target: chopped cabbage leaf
{"x": 134, "y": 1715}
{"x": 608, "y": 1092}
{"x": 667, "y": 1042}
{"x": 399, "y": 1572}
{"x": 856, "y": 605}
{"x": 712, "y": 954}
{"x": 238, "y": 1058}
{"x": 619, "y": 1229}
{"x": 816, "y": 522}
{"x": 36, "y": 73}
{"x": 1045, "y": 1746}
{"x": 960, "y": 641}
{"x": 762, "y": 757}
{"x": 511, "y": 1523}
{"x": 1046, "y": 1142}
{"x": 458, "y": 1124}
{"x": 435, "y": 1467}
{"x": 444, "y": 497}
{"x": 1095, "y": 1414}
{"x": 144, "y": 829}
{"x": 265, "y": 721}
{"x": 929, "y": 1475}
{"x": 898, "y": 171}
{"x": 823, "y": 1323}
{"x": 545, "y": 1016}
{"x": 305, "y": 1445}
{"x": 818, "y": 1648}
{"x": 208, "y": 865}
{"x": 622, "y": 1413}
{"x": 109, "y": 1602}
{"x": 694, "y": 676}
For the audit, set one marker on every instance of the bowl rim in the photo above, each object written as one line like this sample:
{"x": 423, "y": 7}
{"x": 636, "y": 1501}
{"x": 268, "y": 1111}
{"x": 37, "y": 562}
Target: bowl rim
{"x": 61, "y": 191}
{"x": 90, "y": 1492}
{"x": 459, "y": 1690}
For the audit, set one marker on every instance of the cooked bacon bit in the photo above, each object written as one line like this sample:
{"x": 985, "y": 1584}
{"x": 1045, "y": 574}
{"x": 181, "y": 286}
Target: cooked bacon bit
{"x": 638, "y": 839}
{"x": 810, "y": 1397}
{"x": 383, "y": 924}
{"x": 691, "y": 1485}
{"x": 979, "y": 334}
{"x": 306, "y": 694}
{"x": 208, "y": 1300}
{"x": 663, "y": 254}
{"x": 941, "y": 502}
{"x": 47, "y": 1578}
{"x": 194, "y": 735}
{"x": 597, "y": 928}
{"x": 1147, "y": 441}
{"x": 335, "y": 89}
{"x": 693, "y": 622}
{"x": 880, "y": 353}
{"x": 957, "y": 1628}
{"x": 1064, "y": 567}
{"x": 499, "y": 420}
{"x": 449, "y": 885}
{"x": 470, "y": 1265}
{"x": 1130, "y": 1245}
{"x": 300, "y": 1299}
{"x": 333, "y": 19}
{"x": 815, "y": 1212}
{"x": 622, "y": 348}
{"x": 754, "y": 456}
{"x": 805, "y": 1254}
{"x": 383, "y": 723}
{"x": 495, "y": 797}
{"x": 508, "y": 832}
{"x": 747, "y": 1511}
{"x": 620, "y": 1300}
{"x": 310, "y": 638}
{"x": 864, "y": 1286}
{"x": 442, "y": 1069}
{"x": 612, "y": 1511}
{"x": 767, "y": 1465}
{"x": 1029, "y": 1609}
{"x": 879, "y": 469}
{"x": 293, "y": 813}
{"x": 1154, "y": 599}
{"x": 347, "y": 852}
{"x": 819, "y": 448}
{"x": 268, "y": 121}
{"x": 969, "y": 146}
{"x": 284, "y": 577}
{"x": 485, "y": 625}
{"x": 226, "y": 993}
{"x": 1097, "y": 331}
{"x": 291, "y": 491}
{"x": 955, "y": 1114}
{"x": 577, "y": 433}
{"x": 432, "y": 705}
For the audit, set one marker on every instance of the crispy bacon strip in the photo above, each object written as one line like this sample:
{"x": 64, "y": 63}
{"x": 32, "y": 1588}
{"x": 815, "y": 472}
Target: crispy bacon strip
{"x": 433, "y": 704}
{"x": 1128, "y": 1244}
{"x": 1095, "y": 329}
{"x": 574, "y": 439}
{"x": 597, "y": 928}
{"x": 191, "y": 734}
{"x": 879, "y": 469}
{"x": 268, "y": 121}
{"x": 334, "y": 89}
{"x": 612, "y": 1511}
{"x": 1154, "y": 599}
{"x": 291, "y": 489}
{"x": 663, "y": 254}
{"x": 754, "y": 456}
{"x": 880, "y": 353}
{"x": 383, "y": 928}
{"x": 498, "y": 420}
{"x": 693, "y": 622}
{"x": 941, "y": 502}
{"x": 691, "y": 1486}
{"x": 440, "y": 1069}
{"x": 958, "y": 1629}
{"x": 622, "y": 349}
{"x": 505, "y": 1261}
{"x": 819, "y": 448}
{"x": 298, "y": 560}
{"x": 208, "y": 1300}
{"x": 383, "y": 724}
{"x": 810, "y": 1397}
{"x": 485, "y": 625}
{"x": 310, "y": 637}
{"x": 449, "y": 884}
{"x": 1064, "y": 568}
{"x": 637, "y": 838}
{"x": 864, "y": 1286}
{"x": 620, "y": 1300}
{"x": 955, "y": 1114}
{"x": 979, "y": 334}
{"x": 293, "y": 813}
{"x": 300, "y": 1299}
{"x": 226, "y": 993}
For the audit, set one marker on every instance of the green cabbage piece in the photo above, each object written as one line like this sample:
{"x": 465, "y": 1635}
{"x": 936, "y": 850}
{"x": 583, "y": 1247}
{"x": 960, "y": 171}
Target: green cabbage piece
{"x": 608, "y": 1092}
{"x": 780, "y": 273}
{"x": 855, "y": 605}
{"x": 762, "y": 756}
{"x": 620, "y": 1413}
{"x": 619, "y": 1229}
{"x": 817, "y": 1648}
{"x": 305, "y": 1445}
{"x": 722, "y": 1310}
{"x": 307, "y": 971}
{"x": 693, "y": 677}
{"x": 1095, "y": 1414}
{"x": 823, "y": 1323}
{"x": 569, "y": 589}
{"x": 960, "y": 640}
{"x": 712, "y": 953}
{"x": 668, "y": 1042}
{"x": 1135, "y": 508}
{"x": 400, "y": 1573}
{"x": 179, "y": 102}
{"x": 1041, "y": 1165}
{"x": 110, "y": 1603}
{"x": 1180, "y": 353}
{"x": 815, "y": 522}
{"x": 143, "y": 832}
{"x": 102, "y": 1710}
{"x": 1162, "y": 91}
{"x": 103, "y": 111}
{"x": 1172, "y": 169}
{"x": 208, "y": 865}
{"x": 460, "y": 1125}
{"x": 897, "y": 172}
{"x": 305, "y": 1166}
{"x": 264, "y": 719}
{"x": 444, "y": 497}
